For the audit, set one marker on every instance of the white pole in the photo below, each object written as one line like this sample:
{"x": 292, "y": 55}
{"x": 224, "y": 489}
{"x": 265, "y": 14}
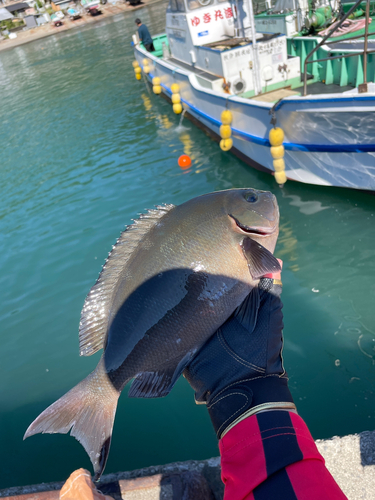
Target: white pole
{"x": 256, "y": 72}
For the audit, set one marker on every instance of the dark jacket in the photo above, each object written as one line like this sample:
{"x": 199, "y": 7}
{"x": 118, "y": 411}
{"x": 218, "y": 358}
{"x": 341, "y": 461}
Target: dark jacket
{"x": 144, "y": 35}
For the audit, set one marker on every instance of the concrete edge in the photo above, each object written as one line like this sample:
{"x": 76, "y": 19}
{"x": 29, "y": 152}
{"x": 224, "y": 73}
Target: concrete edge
{"x": 86, "y": 21}
{"x": 350, "y": 459}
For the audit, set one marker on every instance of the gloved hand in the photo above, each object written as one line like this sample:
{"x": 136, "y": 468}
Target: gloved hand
{"x": 239, "y": 371}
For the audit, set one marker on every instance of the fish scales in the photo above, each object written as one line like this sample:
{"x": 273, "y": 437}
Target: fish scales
{"x": 172, "y": 279}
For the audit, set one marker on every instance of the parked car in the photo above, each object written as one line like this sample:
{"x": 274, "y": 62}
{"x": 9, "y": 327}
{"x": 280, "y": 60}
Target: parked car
{"x": 73, "y": 13}
{"x": 56, "y": 20}
{"x": 92, "y": 6}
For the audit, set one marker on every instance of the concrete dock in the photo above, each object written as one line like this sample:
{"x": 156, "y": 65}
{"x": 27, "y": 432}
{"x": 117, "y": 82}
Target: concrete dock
{"x": 350, "y": 459}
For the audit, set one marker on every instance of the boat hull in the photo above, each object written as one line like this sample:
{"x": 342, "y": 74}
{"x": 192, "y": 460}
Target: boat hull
{"x": 329, "y": 138}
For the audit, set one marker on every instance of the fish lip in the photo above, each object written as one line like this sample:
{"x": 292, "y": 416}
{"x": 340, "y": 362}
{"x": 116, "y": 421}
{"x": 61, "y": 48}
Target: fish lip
{"x": 259, "y": 231}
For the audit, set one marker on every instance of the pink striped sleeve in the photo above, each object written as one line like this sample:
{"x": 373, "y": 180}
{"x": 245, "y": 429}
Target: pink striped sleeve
{"x": 272, "y": 455}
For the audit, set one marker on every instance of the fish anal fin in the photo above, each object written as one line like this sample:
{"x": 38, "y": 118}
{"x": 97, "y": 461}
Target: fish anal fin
{"x": 159, "y": 383}
{"x": 260, "y": 260}
{"x": 95, "y": 312}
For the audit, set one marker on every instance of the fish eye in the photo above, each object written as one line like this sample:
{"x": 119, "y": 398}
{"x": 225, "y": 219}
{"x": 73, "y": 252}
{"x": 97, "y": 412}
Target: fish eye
{"x": 251, "y": 197}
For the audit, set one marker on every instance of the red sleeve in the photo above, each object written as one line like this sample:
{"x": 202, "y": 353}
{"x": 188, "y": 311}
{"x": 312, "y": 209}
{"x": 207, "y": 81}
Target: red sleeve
{"x": 272, "y": 455}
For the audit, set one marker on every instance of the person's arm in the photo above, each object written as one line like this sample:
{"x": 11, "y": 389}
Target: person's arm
{"x": 140, "y": 33}
{"x": 267, "y": 451}
{"x": 272, "y": 455}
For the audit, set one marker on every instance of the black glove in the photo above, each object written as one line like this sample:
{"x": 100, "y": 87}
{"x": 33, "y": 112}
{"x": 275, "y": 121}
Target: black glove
{"x": 239, "y": 371}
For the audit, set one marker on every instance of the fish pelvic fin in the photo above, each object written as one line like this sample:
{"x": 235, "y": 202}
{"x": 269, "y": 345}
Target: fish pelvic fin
{"x": 88, "y": 412}
{"x": 259, "y": 260}
{"x": 95, "y": 312}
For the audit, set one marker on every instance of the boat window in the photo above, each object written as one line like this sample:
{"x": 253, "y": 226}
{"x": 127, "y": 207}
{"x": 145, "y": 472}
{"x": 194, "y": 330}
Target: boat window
{"x": 196, "y": 4}
{"x": 177, "y": 6}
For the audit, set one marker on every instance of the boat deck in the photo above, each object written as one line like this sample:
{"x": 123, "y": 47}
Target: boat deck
{"x": 313, "y": 88}
{"x": 232, "y": 43}
{"x": 275, "y": 95}
{"x": 323, "y": 88}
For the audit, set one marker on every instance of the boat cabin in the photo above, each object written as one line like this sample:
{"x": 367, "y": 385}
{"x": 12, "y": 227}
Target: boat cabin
{"x": 213, "y": 38}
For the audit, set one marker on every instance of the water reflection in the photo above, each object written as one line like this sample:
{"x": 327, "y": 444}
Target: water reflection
{"x": 287, "y": 245}
{"x": 306, "y": 207}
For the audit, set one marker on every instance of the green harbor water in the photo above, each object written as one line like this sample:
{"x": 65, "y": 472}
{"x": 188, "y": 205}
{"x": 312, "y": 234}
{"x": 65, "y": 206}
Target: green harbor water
{"x": 84, "y": 148}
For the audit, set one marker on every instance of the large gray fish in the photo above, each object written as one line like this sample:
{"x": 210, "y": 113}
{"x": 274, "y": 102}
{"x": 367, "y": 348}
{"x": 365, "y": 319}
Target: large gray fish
{"x": 172, "y": 279}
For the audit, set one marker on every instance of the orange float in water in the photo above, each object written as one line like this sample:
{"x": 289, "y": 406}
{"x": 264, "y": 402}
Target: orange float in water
{"x": 184, "y": 161}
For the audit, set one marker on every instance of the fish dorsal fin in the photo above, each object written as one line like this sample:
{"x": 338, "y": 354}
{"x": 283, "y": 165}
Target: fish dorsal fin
{"x": 259, "y": 259}
{"x": 95, "y": 312}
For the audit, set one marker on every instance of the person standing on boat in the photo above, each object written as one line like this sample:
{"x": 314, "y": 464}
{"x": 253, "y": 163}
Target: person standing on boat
{"x": 144, "y": 36}
{"x": 267, "y": 451}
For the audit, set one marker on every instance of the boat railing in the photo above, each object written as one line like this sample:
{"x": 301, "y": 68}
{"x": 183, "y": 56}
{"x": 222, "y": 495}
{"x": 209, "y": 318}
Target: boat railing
{"x": 363, "y": 86}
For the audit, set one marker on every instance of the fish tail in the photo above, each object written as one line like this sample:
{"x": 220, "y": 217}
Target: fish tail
{"x": 88, "y": 412}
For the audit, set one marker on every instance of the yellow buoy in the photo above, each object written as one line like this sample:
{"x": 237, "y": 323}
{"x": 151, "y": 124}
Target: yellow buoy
{"x": 226, "y": 117}
{"x": 177, "y": 108}
{"x": 146, "y": 69}
{"x": 175, "y": 88}
{"x": 279, "y": 165}
{"x": 138, "y": 76}
{"x": 146, "y": 61}
{"x": 135, "y": 64}
{"x": 137, "y": 70}
{"x": 156, "y": 80}
{"x": 225, "y": 131}
{"x": 176, "y": 98}
{"x": 277, "y": 152}
{"x": 280, "y": 177}
{"x": 157, "y": 89}
{"x": 276, "y": 136}
{"x": 226, "y": 144}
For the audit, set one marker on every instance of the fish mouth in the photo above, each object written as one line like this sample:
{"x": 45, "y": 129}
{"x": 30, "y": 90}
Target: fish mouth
{"x": 258, "y": 231}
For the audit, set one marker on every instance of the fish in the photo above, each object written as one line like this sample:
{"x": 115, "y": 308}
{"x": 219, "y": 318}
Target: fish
{"x": 174, "y": 276}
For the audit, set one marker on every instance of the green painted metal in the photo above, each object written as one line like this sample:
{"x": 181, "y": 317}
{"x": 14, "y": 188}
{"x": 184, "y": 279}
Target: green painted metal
{"x": 269, "y": 14}
{"x": 158, "y": 44}
{"x": 343, "y": 72}
{"x": 344, "y": 80}
{"x": 371, "y": 34}
{"x": 359, "y": 74}
{"x": 328, "y": 80}
{"x": 292, "y": 83}
{"x": 348, "y": 5}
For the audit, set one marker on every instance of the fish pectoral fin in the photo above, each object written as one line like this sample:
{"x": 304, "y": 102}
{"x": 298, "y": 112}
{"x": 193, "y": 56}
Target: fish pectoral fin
{"x": 159, "y": 383}
{"x": 259, "y": 259}
{"x": 247, "y": 312}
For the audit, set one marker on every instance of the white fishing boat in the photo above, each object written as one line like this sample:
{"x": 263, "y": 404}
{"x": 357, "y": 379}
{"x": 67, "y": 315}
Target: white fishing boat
{"x": 212, "y": 51}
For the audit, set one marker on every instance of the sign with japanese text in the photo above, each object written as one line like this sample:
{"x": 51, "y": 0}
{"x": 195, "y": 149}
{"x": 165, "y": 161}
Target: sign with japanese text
{"x": 273, "y": 46}
{"x": 276, "y": 24}
{"x": 211, "y": 24}
{"x": 238, "y": 54}
{"x": 238, "y": 63}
